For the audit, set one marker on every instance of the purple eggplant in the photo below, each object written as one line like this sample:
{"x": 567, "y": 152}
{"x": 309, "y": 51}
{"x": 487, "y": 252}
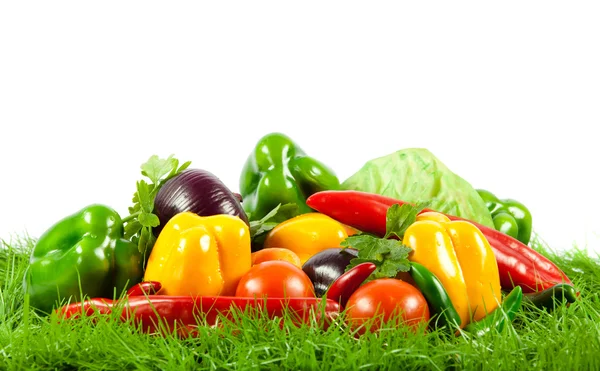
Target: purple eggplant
{"x": 198, "y": 191}
{"x": 326, "y": 266}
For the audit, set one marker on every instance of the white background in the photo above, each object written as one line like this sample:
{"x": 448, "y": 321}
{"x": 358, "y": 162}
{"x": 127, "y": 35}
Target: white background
{"x": 507, "y": 95}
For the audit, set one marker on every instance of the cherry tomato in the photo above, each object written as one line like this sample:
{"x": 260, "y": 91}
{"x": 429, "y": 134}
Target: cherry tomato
{"x": 383, "y": 300}
{"x": 275, "y": 279}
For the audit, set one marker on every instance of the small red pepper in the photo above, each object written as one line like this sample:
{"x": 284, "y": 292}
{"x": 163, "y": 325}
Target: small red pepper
{"x": 518, "y": 264}
{"x": 345, "y": 285}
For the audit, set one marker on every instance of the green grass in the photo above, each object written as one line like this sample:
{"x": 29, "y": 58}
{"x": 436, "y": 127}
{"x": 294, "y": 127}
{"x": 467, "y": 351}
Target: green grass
{"x": 568, "y": 338}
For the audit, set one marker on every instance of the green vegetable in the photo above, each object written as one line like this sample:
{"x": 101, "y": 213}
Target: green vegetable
{"x": 389, "y": 255}
{"x": 279, "y": 172}
{"x": 260, "y": 228}
{"x": 552, "y": 297}
{"x": 440, "y": 305}
{"x": 84, "y": 248}
{"x": 496, "y": 320}
{"x": 509, "y": 216}
{"x": 415, "y": 175}
{"x": 139, "y": 224}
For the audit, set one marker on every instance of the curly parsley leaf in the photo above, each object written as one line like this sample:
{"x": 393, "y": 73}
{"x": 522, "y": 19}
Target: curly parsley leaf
{"x": 389, "y": 255}
{"x": 281, "y": 213}
{"x": 399, "y": 217}
{"x": 141, "y": 219}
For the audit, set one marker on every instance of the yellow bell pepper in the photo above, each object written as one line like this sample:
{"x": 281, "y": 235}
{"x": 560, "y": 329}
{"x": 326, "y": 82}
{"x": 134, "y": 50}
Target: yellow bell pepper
{"x": 307, "y": 234}
{"x": 200, "y": 256}
{"x": 460, "y": 256}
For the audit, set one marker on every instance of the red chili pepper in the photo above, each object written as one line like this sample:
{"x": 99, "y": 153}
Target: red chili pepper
{"x": 343, "y": 287}
{"x": 518, "y": 264}
{"x": 184, "y": 313}
{"x": 154, "y": 311}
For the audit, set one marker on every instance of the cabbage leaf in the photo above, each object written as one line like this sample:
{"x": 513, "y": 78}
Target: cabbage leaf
{"x": 416, "y": 175}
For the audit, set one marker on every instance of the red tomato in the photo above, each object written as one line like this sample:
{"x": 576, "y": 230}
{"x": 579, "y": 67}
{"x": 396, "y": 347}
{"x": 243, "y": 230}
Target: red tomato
{"x": 383, "y": 300}
{"x": 275, "y": 279}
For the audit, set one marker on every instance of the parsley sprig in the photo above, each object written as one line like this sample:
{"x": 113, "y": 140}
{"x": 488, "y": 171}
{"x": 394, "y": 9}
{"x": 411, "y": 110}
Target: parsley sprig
{"x": 260, "y": 228}
{"x": 387, "y": 253}
{"x": 141, "y": 219}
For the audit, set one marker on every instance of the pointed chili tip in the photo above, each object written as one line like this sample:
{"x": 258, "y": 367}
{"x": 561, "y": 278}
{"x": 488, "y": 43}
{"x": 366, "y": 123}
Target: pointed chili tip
{"x": 312, "y": 200}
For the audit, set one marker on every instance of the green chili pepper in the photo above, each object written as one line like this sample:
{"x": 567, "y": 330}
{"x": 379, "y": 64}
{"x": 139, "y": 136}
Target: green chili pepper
{"x": 509, "y": 216}
{"x": 440, "y": 305}
{"x": 500, "y": 316}
{"x": 279, "y": 172}
{"x": 84, "y": 252}
{"x": 553, "y": 296}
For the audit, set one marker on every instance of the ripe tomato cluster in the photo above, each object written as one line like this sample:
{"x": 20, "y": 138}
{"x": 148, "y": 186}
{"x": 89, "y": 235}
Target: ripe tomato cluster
{"x": 378, "y": 303}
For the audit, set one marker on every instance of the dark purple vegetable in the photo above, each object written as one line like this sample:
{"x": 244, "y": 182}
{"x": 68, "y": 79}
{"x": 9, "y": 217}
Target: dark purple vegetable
{"x": 326, "y": 266}
{"x": 198, "y": 191}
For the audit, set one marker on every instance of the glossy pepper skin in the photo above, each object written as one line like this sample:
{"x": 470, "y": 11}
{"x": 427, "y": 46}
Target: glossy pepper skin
{"x": 509, "y": 216}
{"x": 344, "y": 286}
{"x": 161, "y": 314}
{"x": 148, "y": 307}
{"x": 552, "y": 297}
{"x": 495, "y": 321}
{"x": 196, "y": 255}
{"x": 458, "y": 254}
{"x": 440, "y": 304}
{"x": 518, "y": 264}
{"x": 307, "y": 234}
{"x": 86, "y": 247}
{"x": 279, "y": 172}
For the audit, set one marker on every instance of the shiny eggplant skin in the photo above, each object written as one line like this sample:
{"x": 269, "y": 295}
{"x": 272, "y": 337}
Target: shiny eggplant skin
{"x": 198, "y": 191}
{"x": 326, "y": 266}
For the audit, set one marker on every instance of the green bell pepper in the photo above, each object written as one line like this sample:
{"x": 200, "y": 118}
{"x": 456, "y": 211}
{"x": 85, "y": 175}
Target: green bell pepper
{"x": 84, "y": 248}
{"x": 279, "y": 172}
{"x": 509, "y": 216}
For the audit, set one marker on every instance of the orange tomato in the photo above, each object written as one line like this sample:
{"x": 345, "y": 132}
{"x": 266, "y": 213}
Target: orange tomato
{"x": 276, "y": 253}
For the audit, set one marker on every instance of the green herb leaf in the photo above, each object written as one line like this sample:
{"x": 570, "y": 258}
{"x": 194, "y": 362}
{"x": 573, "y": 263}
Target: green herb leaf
{"x": 256, "y": 225}
{"x": 145, "y": 201}
{"x": 285, "y": 212}
{"x": 368, "y": 247}
{"x": 281, "y": 213}
{"x": 132, "y": 228}
{"x": 139, "y": 224}
{"x": 400, "y": 252}
{"x": 183, "y": 167}
{"x": 388, "y": 254}
{"x": 399, "y": 218}
{"x": 149, "y": 241}
{"x": 156, "y": 168}
{"x": 149, "y": 220}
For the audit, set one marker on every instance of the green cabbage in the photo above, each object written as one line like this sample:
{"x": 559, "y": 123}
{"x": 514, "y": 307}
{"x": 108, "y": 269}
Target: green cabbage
{"x": 415, "y": 175}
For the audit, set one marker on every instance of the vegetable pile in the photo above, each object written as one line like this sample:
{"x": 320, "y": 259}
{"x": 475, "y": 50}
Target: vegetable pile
{"x": 402, "y": 242}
